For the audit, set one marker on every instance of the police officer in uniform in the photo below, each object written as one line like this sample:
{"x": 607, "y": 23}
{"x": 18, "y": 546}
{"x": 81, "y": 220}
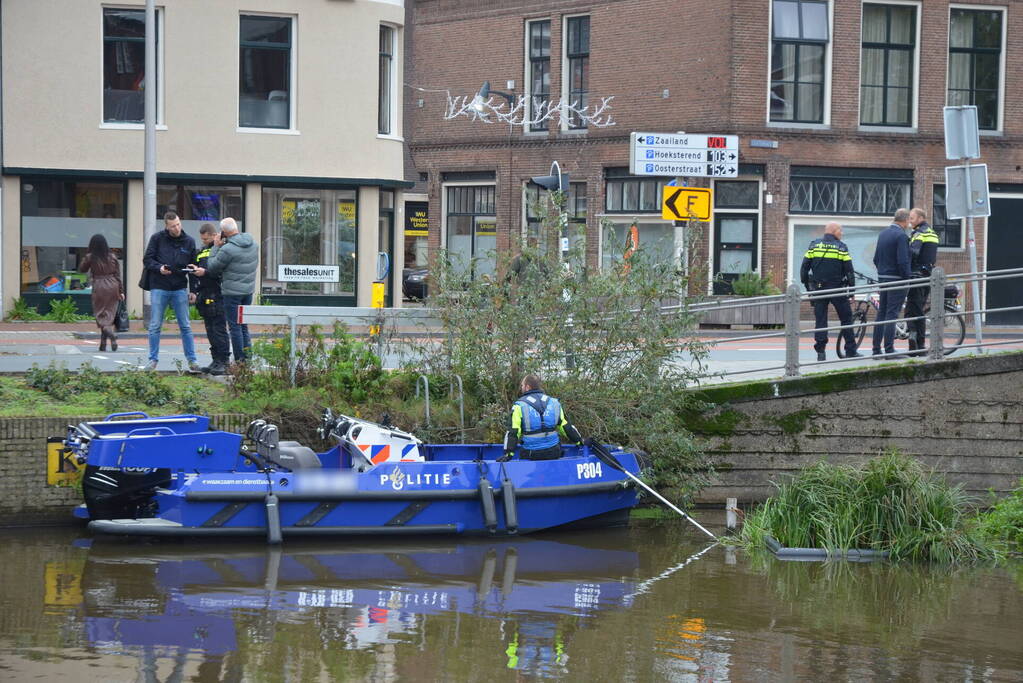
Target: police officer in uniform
{"x": 923, "y": 252}
{"x": 208, "y": 301}
{"x": 827, "y": 265}
{"x": 537, "y": 421}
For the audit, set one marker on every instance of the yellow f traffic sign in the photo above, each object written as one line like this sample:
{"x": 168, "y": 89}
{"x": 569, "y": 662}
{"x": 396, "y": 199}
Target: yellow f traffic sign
{"x": 684, "y": 203}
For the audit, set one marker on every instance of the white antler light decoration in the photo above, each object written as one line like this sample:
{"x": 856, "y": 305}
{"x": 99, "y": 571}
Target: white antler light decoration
{"x": 481, "y": 107}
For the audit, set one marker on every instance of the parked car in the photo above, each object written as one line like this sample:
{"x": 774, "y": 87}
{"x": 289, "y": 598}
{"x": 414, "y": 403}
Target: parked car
{"x": 413, "y": 283}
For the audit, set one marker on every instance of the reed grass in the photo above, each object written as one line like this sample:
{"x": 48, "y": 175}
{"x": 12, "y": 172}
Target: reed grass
{"x": 889, "y": 504}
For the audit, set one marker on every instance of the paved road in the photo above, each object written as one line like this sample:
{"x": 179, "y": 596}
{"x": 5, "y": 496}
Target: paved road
{"x": 22, "y": 346}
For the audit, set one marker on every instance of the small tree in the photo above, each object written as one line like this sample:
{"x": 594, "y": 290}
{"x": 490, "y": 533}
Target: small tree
{"x": 607, "y": 342}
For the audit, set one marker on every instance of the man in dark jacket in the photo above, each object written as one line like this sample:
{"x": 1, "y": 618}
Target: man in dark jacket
{"x": 167, "y": 254}
{"x": 923, "y": 252}
{"x": 209, "y": 302}
{"x": 891, "y": 257}
{"x": 235, "y": 258}
{"x": 827, "y": 265}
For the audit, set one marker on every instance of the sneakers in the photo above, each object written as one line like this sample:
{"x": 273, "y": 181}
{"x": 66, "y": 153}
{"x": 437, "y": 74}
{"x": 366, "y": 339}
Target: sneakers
{"x": 216, "y": 368}
{"x": 194, "y": 367}
{"x": 854, "y": 354}
{"x": 151, "y": 365}
{"x": 821, "y": 356}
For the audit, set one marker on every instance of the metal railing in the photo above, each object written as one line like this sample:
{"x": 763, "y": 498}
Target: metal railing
{"x": 794, "y": 297}
{"x": 389, "y": 321}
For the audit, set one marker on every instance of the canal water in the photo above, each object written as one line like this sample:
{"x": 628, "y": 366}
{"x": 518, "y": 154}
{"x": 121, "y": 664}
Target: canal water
{"x": 649, "y": 603}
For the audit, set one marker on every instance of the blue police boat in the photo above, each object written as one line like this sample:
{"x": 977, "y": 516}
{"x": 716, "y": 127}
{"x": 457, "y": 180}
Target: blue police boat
{"x": 174, "y": 476}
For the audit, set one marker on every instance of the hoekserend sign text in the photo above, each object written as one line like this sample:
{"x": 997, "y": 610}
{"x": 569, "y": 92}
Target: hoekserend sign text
{"x": 286, "y": 273}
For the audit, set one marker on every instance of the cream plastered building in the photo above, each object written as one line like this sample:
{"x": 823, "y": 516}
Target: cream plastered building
{"x": 284, "y": 114}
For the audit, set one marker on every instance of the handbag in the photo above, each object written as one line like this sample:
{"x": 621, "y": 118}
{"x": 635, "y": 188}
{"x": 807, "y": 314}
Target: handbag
{"x": 144, "y": 280}
{"x": 121, "y": 318}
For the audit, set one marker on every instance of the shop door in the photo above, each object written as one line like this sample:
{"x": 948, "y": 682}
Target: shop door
{"x": 1005, "y": 250}
{"x": 735, "y": 248}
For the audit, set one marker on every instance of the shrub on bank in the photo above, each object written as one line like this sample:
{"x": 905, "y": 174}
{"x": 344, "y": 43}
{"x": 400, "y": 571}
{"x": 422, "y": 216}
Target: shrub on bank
{"x": 127, "y": 389}
{"x": 890, "y": 504}
{"x": 1003, "y": 523}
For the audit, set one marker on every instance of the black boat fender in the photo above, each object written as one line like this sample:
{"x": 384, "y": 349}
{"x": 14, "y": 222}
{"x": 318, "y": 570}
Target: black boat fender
{"x": 487, "y": 501}
{"x": 511, "y": 513}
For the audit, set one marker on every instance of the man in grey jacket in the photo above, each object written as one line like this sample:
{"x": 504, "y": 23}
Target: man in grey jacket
{"x": 235, "y": 258}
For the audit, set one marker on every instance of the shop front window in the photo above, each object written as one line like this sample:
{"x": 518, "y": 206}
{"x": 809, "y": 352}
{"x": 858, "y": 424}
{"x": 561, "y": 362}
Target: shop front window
{"x": 310, "y": 242}
{"x": 658, "y": 240}
{"x": 417, "y": 233}
{"x": 58, "y": 218}
{"x": 198, "y": 204}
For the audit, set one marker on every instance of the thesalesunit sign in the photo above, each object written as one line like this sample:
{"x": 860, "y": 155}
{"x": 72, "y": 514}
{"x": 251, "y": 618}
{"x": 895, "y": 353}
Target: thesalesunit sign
{"x": 286, "y": 273}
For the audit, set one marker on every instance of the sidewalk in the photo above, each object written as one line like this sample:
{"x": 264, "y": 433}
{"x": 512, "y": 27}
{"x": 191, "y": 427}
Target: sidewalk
{"x": 88, "y": 330}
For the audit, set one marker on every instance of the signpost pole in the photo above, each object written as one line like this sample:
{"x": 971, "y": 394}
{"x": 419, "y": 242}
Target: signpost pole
{"x": 971, "y": 236}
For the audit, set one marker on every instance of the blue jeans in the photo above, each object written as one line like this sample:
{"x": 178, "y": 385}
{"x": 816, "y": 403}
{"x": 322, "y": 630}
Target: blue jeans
{"x": 889, "y": 305}
{"x": 240, "y": 341}
{"x": 177, "y": 299}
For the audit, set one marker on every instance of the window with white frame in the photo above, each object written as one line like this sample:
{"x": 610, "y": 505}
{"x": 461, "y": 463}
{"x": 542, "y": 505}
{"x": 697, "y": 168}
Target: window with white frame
{"x": 736, "y": 231}
{"x": 573, "y": 238}
{"x": 385, "y": 96}
{"x": 975, "y": 62}
{"x": 124, "y": 65}
{"x": 577, "y": 68}
{"x": 626, "y": 200}
{"x": 849, "y": 191}
{"x": 799, "y": 47}
{"x": 471, "y": 229}
{"x": 538, "y": 52}
{"x": 265, "y": 66}
{"x": 887, "y": 65}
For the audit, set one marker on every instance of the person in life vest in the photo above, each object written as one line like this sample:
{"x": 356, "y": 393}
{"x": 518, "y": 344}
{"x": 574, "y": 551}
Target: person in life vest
{"x": 537, "y": 423}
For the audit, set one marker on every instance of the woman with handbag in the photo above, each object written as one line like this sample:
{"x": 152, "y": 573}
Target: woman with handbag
{"x": 107, "y": 289}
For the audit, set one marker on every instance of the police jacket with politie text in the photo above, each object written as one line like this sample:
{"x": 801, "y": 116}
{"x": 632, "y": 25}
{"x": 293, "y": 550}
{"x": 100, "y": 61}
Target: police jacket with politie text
{"x": 923, "y": 249}
{"x": 207, "y": 287}
{"x": 537, "y": 420}
{"x": 891, "y": 256}
{"x": 173, "y": 252}
{"x": 826, "y": 264}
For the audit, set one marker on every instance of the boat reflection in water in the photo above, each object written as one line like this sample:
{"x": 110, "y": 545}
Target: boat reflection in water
{"x": 202, "y": 602}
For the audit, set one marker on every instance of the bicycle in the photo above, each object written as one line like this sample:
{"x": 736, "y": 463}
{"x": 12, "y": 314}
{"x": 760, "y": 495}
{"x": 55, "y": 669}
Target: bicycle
{"x": 954, "y": 328}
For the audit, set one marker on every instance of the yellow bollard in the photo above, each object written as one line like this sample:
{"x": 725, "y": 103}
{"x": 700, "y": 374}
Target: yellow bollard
{"x": 377, "y": 301}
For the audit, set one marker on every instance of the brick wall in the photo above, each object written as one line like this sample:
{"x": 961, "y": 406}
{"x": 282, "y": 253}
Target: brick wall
{"x": 25, "y": 497}
{"x": 961, "y": 418}
{"x": 713, "y": 58}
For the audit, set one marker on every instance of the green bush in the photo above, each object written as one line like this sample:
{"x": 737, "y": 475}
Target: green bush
{"x": 890, "y": 504}
{"x": 65, "y": 311}
{"x": 752, "y": 283}
{"x": 332, "y": 369}
{"x": 23, "y": 311}
{"x": 127, "y": 389}
{"x": 1003, "y": 523}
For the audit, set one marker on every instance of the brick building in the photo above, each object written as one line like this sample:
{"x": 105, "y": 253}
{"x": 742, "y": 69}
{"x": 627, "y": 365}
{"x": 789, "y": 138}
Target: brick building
{"x": 837, "y": 105}
{"x": 283, "y": 114}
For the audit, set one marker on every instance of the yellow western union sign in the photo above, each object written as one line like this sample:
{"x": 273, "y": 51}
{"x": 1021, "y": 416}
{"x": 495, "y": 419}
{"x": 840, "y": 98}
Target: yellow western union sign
{"x": 685, "y": 203}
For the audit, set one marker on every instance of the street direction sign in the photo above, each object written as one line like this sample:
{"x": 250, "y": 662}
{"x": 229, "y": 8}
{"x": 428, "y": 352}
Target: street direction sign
{"x": 681, "y": 154}
{"x": 684, "y": 203}
{"x": 966, "y": 196}
{"x": 962, "y": 134}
